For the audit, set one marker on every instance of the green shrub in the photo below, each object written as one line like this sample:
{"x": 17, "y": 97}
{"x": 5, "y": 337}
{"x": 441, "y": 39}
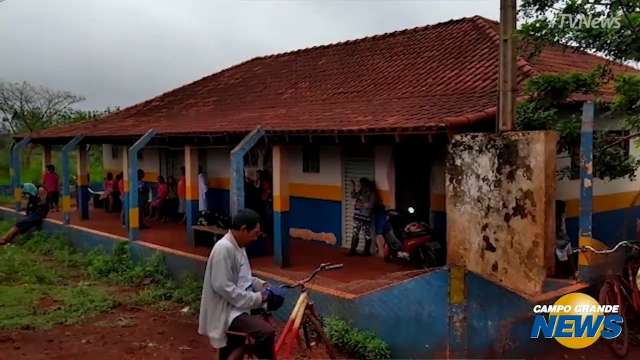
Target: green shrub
{"x": 356, "y": 343}
{"x": 121, "y": 268}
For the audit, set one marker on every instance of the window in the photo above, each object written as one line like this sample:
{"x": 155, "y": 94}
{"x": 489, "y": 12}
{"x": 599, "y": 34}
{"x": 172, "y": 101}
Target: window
{"x": 115, "y": 152}
{"x": 310, "y": 159}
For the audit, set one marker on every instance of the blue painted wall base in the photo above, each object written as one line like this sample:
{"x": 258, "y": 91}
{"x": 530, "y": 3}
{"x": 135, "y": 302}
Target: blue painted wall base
{"x": 281, "y": 238}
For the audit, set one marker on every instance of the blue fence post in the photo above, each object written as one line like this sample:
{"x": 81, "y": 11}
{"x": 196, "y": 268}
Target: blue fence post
{"x": 16, "y": 170}
{"x": 134, "y": 211}
{"x": 66, "y": 198}
{"x": 237, "y": 169}
{"x": 586, "y": 183}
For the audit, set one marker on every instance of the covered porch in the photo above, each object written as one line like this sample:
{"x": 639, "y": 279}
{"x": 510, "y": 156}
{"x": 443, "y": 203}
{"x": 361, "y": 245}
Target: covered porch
{"x": 360, "y": 275}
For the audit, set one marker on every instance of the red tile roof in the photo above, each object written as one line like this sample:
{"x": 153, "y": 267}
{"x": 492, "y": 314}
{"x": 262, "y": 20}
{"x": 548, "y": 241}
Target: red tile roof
{"x": 427, "y": 78}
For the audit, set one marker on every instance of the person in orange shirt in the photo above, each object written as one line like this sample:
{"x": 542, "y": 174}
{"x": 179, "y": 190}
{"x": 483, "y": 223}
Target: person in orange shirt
{"x": 182, "y": 195}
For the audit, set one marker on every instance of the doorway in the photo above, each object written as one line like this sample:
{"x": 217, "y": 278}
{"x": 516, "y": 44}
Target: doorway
{"x": 413, "y": 179}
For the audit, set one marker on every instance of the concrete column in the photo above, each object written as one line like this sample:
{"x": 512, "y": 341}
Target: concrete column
{"x": 586, "y": 185}
{"x": 125, "y": 179}
{"x": 457, "y": 346}
{"x": 134, "y": 211}
{"x": 83, "y": 182}
{"x": 191, "y": 197}
{"x": 280, "y": 206}
{"x": 46, "y": 157}
{"x": 16, "y": 171}
{"x": 66, "y": 198}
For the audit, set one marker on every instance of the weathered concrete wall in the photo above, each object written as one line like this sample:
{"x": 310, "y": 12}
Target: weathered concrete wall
{"x": 500, "y": 191}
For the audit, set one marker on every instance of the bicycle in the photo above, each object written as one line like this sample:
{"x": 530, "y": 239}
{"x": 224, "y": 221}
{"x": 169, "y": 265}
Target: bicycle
{"x": 620, "y": 289}
{"x": 303, "y": 314}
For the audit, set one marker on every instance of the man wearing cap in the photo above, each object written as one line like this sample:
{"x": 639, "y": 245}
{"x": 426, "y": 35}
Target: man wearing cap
{"x": 230, "y": 292}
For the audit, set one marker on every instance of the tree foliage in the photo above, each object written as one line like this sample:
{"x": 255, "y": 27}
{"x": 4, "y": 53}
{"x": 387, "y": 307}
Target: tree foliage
{"x": 616, "y": 36}
{"x": 608, "y": 27}
{"x": 27, "y": 108}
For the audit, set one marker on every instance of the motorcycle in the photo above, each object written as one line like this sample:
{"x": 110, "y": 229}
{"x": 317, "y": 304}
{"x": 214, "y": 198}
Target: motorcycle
{"x": 408, "y": 239}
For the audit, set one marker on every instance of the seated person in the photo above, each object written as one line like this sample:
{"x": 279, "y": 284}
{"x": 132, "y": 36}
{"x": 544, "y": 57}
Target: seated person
{"x": 37, "y": 210}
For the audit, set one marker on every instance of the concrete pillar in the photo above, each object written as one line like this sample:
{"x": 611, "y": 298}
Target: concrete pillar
{"x": 134, "y": 211}
{"x": 125, "y": 179}
{"x": 46, "y": 157}
{"x": 16, "y": 170}
{"x": 280, "y": 206}
{"x": 191, "y": 197}
{"x": 457, "y": 346}
{"x": 83, "y": 181}
{"x": 586, "y": 185}
{"x": 66, "y": 198}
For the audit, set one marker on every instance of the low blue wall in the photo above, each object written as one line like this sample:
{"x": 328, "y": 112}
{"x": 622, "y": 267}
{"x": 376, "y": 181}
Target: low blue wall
{"x": 316, "y": 215}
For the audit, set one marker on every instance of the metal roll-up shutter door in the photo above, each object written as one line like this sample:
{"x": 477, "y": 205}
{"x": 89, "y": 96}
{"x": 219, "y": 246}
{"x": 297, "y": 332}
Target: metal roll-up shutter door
{"x": 354, "y": 167}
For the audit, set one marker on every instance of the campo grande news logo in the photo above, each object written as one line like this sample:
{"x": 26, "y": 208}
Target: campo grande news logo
{"x": 576, "y": 321}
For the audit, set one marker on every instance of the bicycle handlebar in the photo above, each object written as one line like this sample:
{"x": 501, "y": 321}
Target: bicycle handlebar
{"x": 322, "y": 267}
{"x": 631, "y": 244}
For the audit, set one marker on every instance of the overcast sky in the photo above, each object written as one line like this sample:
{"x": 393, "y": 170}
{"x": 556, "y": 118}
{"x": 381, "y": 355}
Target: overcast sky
{"x": 120, "y": 52}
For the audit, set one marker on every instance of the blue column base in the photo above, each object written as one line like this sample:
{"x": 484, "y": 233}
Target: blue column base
{"x": 134, "y": 234}
{"x": 83, "y": 201}
{"x": 191, "y": 212}
{"x": 281, "y": 238}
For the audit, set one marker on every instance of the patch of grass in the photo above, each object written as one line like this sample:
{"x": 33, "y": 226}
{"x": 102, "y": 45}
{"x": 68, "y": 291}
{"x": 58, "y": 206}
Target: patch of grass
{"x": 357, "y": 343}
{"x": 23, "y": 307}
{"x": 46, "y": 266}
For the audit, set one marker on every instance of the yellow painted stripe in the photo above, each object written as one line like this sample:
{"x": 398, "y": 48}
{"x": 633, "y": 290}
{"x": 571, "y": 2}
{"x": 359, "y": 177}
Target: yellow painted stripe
{"x": 280, "y": 203}
{"x": 221, "y": 183}
{"x": 438, "y": 202}
{"x": 313, "y": 191}
{"x": 83, "y": 180}
{"x": 17, "y": 194}
{"x": 606, "y": 202}
{"x": 66, "y": 203}
{"x": 134, "y": 219}
{"x": 192, "y": 191}
{"x": 588, "y": 258}
{"x": 151, "y": 176}
{"x": 385, "y": 196}
{"x": 456, "y": 287}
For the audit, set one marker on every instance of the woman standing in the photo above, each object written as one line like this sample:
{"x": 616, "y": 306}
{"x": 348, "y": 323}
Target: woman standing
{"x": 365, "y": 196}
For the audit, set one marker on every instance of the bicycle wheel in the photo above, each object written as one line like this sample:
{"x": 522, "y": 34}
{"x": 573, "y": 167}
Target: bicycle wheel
{"x": 610, "y": 295}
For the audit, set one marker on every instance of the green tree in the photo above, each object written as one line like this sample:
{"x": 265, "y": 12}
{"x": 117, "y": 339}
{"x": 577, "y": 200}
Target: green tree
{"x": 608, "y": 28}
{"x": 27, "y": 108}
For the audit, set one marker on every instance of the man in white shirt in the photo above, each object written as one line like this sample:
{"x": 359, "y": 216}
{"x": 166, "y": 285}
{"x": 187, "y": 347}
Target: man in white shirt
{"x": 230, "y": 292}
{"x": 202, "y": 191}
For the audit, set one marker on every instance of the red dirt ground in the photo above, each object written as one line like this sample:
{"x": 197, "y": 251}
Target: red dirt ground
{"x": 360, "y": 274}
{"x": 123, "y": 333}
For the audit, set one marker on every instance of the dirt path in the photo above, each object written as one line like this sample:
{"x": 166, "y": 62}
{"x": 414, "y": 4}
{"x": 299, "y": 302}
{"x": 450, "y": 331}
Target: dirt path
{"x": 123, "y": 333}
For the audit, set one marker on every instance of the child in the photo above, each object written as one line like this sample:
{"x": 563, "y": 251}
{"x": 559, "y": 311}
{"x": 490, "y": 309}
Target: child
{"x": 365, "y": 197}
{"x": 50, "y": 182}
{"x": 37, "y": 210}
